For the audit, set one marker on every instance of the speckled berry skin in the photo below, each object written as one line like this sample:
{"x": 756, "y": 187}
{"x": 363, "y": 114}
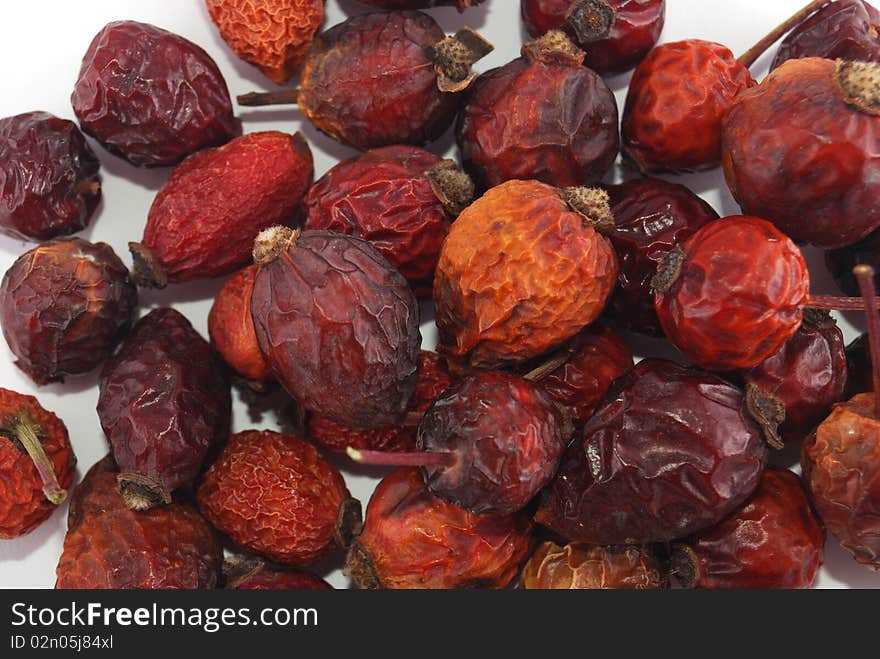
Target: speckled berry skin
{"x": 63, "y": 307}
{"x": 49, "y": 183}
{"x": 671, "y": 451}
{"x": 673, "y": 127}
{"x": 150, "y": 96}
{"x": 274, "y": 495}
{"x": 579, "y": 566}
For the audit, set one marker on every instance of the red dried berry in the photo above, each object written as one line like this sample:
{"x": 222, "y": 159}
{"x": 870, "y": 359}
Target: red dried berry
{"x": 96, "y": 493}
{"x": 859, "y": 368}
{"x": 841, "y": 262}
{"x": 37, "y": 463}
{"x": 421, "y": 4}
{"x": 275, "y": 495}
{"x": 579, "y": 566}
{"x": 615, "y": 34}
{"x": 671, "y": 451}
{"x": 338, "y": 325}
{"x": 543, "y": 116}
{"x": 412, "y": 539}
{"x": 49, "y": 183}
{"x": 163, "y": 403}
{"x": 63, "y": 307}
{"x": 248, "y": 573}
{"x": 151, "y": 96}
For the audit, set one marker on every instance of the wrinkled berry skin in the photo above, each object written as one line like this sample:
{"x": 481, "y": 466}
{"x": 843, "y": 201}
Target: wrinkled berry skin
{"x": 96, "y": 493}
{"x": 670, "y": 452}
{"x": 841, "y": 262}
{"x": 844, "y": 29}
{"x": 673, "y": 127}
{"x": 339, "y": 327}
{"x": 543, "y": 116}
{"x": 163, "y": 401}
{"x": 859, "y": 370}
{"x": 798, "y": 153}
{"x": 579, "y": 566}
{"x": 421, "y": 4}
{"x": 63, "y": 307}
{"x": 506, "y": 435}
{"x": 274, "y": 495}
{"x": 738, "y": 295}
{"x": 412, "y": 539}
{"x": 432, "y": 380}
{"x": 651, "y": 216}
{"x": 519, "y": 274}
{"x": 636, "y": 28}
{"x": 774, "y": 540}
{"x": 49, "y": 183}
{"x": 150, "y": 96}
{"x": 269, "y": 579}
{"x": 841, "y": 467}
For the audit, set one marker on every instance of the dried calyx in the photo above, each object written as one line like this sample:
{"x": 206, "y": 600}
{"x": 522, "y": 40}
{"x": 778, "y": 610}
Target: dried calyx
{"x": 453, "y": 187}
{"x": 860, "y": 83}
{"x": 554, "y": 46}
{"x": 147, "y": 272}
{"x": 768, "y": 412}
{"x": 349, "y": 522}
{"x": 593, "y": 204}
{"x": 272, "y": 242}
{"x": 26, "y": 434}
{"x": 591, "y": 20}
{"x": 684, "y": 565}
{"x": 360, "y": 569}
{"x": 454, "y": 56}
{"x": 141, "y": 492}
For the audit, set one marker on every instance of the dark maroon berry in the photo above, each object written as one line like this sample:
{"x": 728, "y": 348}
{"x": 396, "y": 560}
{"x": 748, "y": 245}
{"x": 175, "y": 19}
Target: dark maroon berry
{"x": 841, "y": 262}
{"x": 859, "y": 370}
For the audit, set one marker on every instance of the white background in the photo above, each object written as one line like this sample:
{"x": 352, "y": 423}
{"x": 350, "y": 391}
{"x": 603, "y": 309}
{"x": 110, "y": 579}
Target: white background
{"x": 41, "y": 45}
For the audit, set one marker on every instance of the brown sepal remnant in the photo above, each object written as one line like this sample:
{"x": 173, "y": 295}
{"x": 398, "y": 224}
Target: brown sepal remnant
{"x": 579, "y": 566}
{"x": 248, "y": 573}
{"x": 454, "y": 56}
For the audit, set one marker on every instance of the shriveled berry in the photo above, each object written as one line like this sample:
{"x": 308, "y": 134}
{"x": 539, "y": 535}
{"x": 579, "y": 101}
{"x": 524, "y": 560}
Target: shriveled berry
{"x": 859, "y": 368}
{"x": 275, "y": 495}
{"x": 412, "y": 539}
{"x": 671, "y": 451}
{"x": 421, "y": 4}
{"x": 63, "y": 307}
{"x": 49, "y": 183}
{"x": 96, "y": 493}
{"x": 521, "y": 272}
{"x": 37, "y": 463}
{"x": 253, "y": 574}
{"x": 338, "y": 325}
{"x": 163, "y": 403}
{"x": 578, "y": 566}
{"x": 273, "y": 35}
{"x": 841, "y": 261}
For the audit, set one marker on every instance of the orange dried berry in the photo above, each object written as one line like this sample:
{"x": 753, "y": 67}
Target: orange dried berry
{"x": 579, "y": 566}
{"x": 273, "y": 35}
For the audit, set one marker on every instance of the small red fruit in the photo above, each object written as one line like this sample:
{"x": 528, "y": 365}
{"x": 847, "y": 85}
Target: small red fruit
{"x": 254, "y": 574}
{"x": 579, "y": 566}
{"x": 421, "y": 4}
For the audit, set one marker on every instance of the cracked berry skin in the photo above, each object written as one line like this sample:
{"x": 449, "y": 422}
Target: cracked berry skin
{"x": 23, "y": 502}
{"x": 673, "y": 127}
{"x": 841, "y": 262}
{"x": 412, "y": 540}
{"x": 49, "y": 182}
{"x": 275, "y": 496}
{"x": 671, "y": 451}
{"x": 432, "y": 380}
{"x": 542, "y": 116}
{"x": 635, "y": 29}
{"x": 64, "y": 305}
{"x": 774, "y": 540}
{"x": 151, "y": 96}
{"x": 421, "y": 4}
{"x": 738, "y": 295}
{"x": 579, "y": 566}
{"x": 271, "y": 579}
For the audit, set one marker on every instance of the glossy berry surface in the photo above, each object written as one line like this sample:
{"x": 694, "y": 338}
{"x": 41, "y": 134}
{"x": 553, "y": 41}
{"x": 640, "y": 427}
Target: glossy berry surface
{"x": 579, "y": 566}
{"x": 842, "y": 260}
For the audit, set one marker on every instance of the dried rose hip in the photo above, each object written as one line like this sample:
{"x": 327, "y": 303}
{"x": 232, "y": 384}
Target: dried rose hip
{"x": 36, "y": 463}
{"x": 579, "y": 566}
{"x": 402, "y": 88}
{"x": 399, "y": 198}
{"x": 732, "y": 294}
{"x": 651, "y": 217}
{"x": 150, "y": 96}
{"x": 338, "y": 325}
{"x": 275, "y": 495}
{"x": 859, "y": 368}
{"x": 273, "y": 35}
{"x": 522, "y": 271}
{"x": 63, "y": 307}
{"x": 163, "y": 403}
{"x": 773, "y": 541}
{"x": 543, "y": 116}
{"x": 671, "y": 451}
{"x": 432, "y": 380}
{"x": 96, "y": 493}
{"x": 841, "y": 262}
{"x": 254, "y": 574}
{"x": 205, "y": 218}
{"x": 412, "y": 539}
{"x": 420, "y": 4}
{"x": 616, "y": 34}
{"x": 49, "y": 183}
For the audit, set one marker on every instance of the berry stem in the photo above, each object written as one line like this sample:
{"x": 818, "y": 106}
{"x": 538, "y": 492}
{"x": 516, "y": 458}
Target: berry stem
{"x": 865, "y": 276}
{"x": 26, "y": 433}
{"x": 280, "y": 97}
{"x": 832, "y": 303}
{"x": 415, "y": 459}
{"x": 752, "y": 54}
{"x": 543, "y": 370}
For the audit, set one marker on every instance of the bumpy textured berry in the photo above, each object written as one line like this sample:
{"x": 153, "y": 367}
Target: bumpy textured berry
{"x": 579, "y": 566}
{"x": 258, "y": 576}
{"x": 421, "y": 4}
{"x": 841, "y": 262}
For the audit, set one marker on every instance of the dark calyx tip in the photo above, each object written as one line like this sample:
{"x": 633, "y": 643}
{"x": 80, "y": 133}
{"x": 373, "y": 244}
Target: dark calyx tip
{"x": 555, "y": 46}
{"x": 360, "y": 569}
{"x": 684, "y": 566}
{"x": 769, "y": 413}
{"x": 593, "y": 204}
{"x": 272, "y": 242}
{"x": 453, "y": 187}
{"x": 238, "y": 569}
{"x": 89, "y": 188}
{"x": 142, "y": 492}
{"x": 860, "y": 82}
{"x": 349, "y": 522}
{"x": 591, "y": 20}
{"x": 147, "y": 272}
{"x": 668, "y": 270}
{"x": 454, "y": 56}
{"x": 817, "y": 318}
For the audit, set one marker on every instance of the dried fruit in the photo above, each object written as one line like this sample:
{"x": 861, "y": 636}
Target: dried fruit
{"x": 96, "y": 493}
{"x": 412, "y": 539}
{"x": 338, "y": 325}
{"x": 579, "y": 566}
{"x": 773, "y": 541}
{"x": 401, "y": 199}
{"x": 49, "y": 183}
{"x": 275, "y": 495}
{"x": 859, "y": 368}
{"x": 522, "y": 271}
{"x": 254, "y": 574}
{"x": 37, "y": 463}
{"x": 205, "y": 218}
{"x": 670, "y": 451}
{"x": 272, "y": 35}
{"x": 63, "y": 306}
{"x": 163, "y": 403}
{"x": 616, "y": 34}
{"x": 151, "y": 96}
{"x": 421, "y": 4}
